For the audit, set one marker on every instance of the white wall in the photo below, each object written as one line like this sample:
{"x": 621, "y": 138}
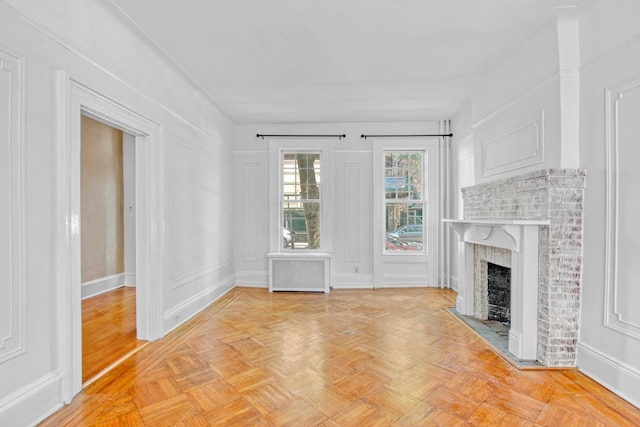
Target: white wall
{"x": 609, "y": 347}
{"x": 352, "y": 177}
{"x": 37, "y": 38}
{"x": 516, "y": 111}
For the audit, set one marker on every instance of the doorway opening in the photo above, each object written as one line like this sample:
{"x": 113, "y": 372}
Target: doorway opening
{"x": 107, "y": 227}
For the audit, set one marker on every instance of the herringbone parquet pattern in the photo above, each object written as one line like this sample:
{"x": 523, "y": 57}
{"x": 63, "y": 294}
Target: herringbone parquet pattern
{"x": 349, "y": 358}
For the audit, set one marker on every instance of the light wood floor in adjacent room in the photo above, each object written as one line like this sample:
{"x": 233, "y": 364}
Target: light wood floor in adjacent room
{"x": 349, "y": 358}
{"x": 108, "y": 330}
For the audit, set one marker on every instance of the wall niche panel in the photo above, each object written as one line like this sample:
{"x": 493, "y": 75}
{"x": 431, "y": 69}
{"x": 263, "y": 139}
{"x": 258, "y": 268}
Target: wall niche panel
{"x": 200, "y": 212}
{"x": 12, "y": 260}
{"x": 352, "y": 189}
{"x": 623, "y": 208}
{"x": 518, "y": 146}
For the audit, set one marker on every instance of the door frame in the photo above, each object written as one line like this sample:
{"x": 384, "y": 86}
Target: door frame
{"x": 73, "y": 100}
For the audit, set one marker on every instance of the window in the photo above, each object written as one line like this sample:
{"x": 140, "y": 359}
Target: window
{"x": 404, "y": 200}
{"x": 300, "y": 204}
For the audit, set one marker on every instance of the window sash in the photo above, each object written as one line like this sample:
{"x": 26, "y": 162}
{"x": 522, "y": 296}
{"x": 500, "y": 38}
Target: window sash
{"x": 404, "y": 203}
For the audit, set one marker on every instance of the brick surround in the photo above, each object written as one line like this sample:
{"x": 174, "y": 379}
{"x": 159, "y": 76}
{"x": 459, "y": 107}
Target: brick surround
{"x": 556, "y": 195}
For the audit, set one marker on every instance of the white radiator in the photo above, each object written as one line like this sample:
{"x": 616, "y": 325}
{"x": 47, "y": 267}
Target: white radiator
{"x": 306, "y": 272}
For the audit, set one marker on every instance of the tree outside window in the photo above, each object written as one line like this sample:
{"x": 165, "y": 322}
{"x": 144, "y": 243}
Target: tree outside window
{"x": 301, "y": 200}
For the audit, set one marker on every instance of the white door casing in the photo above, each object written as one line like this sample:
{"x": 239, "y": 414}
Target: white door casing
{"x": 74, "y": 99}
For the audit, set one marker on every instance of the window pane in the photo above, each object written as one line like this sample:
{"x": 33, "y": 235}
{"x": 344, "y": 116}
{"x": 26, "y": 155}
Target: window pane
{"x": 404, "y": 230}
{"x": 403, "y": 175}
{"x": 404, "y": 204}
{"x": 301, "y": 200}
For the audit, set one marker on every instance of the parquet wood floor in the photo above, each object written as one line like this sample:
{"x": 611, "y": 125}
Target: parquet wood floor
{"x": 349, "y": 358}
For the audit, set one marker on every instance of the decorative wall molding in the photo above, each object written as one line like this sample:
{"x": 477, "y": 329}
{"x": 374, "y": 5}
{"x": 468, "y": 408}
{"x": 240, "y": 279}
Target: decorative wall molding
{"x": 352, "y": 208}
{"x": 516, "y": 147}
{"x": 193, "y": 276}
{"x": 621, "y": 290}
{"x": 199, "y": 148}
{"x": 510, "y": 104}
{"x": 41, "y": 393}
{"x": 250, "y": 229}
{"x": 215, "y": 176}
{"x": 13, "y": 308}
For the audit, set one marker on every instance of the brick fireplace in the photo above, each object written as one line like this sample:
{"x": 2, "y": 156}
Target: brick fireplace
{"x": 546, "y": 206}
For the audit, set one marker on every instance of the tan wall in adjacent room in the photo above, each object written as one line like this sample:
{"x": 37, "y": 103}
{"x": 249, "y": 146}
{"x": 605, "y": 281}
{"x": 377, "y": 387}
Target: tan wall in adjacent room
{"x": 102, "y": 201}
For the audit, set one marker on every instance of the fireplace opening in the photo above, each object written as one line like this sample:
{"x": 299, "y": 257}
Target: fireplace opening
{"x": 499, "y": 293}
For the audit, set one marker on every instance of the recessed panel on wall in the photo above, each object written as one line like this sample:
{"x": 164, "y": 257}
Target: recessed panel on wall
{"x": 12, "y": 286}
{"x": 250, "y": 227}
{"x": 352, "y": 190}
{"x": 518, "y": 146}
{"x": 201, "y": 230}
{"x": 623, "y": 228}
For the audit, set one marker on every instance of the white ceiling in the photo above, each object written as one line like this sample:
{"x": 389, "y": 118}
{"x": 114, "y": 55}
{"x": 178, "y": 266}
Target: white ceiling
{"x": 335, "y": 60}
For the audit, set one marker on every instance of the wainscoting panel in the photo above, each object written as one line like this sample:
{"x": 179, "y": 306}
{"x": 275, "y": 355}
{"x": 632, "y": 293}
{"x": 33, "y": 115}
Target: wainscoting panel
{"x": 623, "y": 209}
{"x": 352, "y": 207}
{"x": 202, "y": 228}
{"x": 250, "y": 226}
{"x": 519, "y": 146}
{"x": 12, "y": 211}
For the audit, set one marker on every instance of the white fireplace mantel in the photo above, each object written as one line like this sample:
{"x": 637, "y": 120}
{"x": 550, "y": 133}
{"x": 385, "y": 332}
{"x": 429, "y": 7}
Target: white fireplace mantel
{"x": 521, "y": 237}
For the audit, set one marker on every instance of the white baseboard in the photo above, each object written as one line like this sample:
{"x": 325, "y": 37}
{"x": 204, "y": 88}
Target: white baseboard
{"x": 33, "y": 403}
{"x": 453, "y": 283}
{"x": 182, "y": 312}
{"x": 252, "y": 279}
{"x": 617, "y": 376}
{"x": 352, "y": 286}
{"x": 130, "y": 280}
{"x": 104, "y": 284}
{"x": 352, "y": 281}
{"x": 400, "y": 285}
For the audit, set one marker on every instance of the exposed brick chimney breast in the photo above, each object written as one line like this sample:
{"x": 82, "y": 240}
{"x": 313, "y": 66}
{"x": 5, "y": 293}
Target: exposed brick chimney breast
{"x": 555, "y": 195}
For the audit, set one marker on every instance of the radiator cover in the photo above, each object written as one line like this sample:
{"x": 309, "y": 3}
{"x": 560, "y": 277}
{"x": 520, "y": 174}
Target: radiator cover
{"x": 302, "y": 272}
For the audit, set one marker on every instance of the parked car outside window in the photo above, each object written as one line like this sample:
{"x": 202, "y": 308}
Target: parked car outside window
{"x": 408, "y": 233}
{"x": 395, "y": 244}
